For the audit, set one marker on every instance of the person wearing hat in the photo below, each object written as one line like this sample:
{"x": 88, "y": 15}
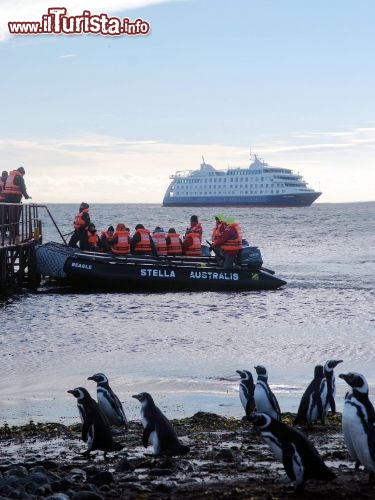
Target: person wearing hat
{"x": 107, "y": 239}
{"x": 158, "y": 236}
{"x": 142, "y": 242}
{"x": 229, "y": 243}
{"x": 81, "y": 223}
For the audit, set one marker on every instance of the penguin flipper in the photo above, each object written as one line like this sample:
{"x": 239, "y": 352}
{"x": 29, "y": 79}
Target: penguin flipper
{"x": 332, "y": 404}
{"x": 288, "y": 452}
{"x": 150, "y": 427}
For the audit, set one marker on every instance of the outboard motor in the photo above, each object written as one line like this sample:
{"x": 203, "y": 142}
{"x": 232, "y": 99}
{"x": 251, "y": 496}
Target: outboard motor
{"x": 249, "y": 257}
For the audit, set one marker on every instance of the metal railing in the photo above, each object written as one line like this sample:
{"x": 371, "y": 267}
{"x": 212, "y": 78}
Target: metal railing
{"x": 18, "y": 224}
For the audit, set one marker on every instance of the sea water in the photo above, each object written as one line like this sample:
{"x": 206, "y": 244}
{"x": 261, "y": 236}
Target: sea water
{"x": 184, "y": 348}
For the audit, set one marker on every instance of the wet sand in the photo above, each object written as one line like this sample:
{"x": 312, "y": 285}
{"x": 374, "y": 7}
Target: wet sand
{"x": 227, "y": 459}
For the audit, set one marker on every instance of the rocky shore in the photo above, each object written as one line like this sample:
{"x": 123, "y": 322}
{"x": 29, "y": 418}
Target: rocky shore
{"x": 227, "y": 459}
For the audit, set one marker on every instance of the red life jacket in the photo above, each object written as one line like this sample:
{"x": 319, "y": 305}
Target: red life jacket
{"x": 79, "y": 222}
{"x": 10, "y": 187}
{"x": 92, "y": 239}
{"x": 122, "y": 246}
{"x": 144, "y": 245}
{"x": 234, "y": 244}
{"x": 217, "y": 232}
{"x": 197, "y": 228}
{"x": 160, "y": 243}
{"x": 194, "y": 249}
{"x": 174, "y": 246}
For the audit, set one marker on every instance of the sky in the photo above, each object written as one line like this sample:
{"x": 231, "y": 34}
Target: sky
{"x": 107, "y": 119}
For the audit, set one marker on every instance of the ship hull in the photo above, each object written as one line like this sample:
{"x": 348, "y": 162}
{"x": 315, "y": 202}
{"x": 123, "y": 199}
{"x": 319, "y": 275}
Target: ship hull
{"x": 287, "y": 200}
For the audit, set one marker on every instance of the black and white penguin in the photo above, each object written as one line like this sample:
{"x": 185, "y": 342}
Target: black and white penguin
{"x": 358, "y": 422}
{"x": 313, "y": 401}
{"x": 329, "y": 366}
{"x": 108, "y": 402}
{"x": 300, "y": 458}
{"x": 246, "y": 391}
{"x": 157, "y": 430}
{"x": 265, "y": 400}
{"x": 95, "y": 427}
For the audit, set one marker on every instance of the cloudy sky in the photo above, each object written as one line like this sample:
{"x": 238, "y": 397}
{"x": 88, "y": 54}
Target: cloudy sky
{"x": 110, "y": 118}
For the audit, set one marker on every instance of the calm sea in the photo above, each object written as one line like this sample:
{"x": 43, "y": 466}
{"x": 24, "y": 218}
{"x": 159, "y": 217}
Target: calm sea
{"x": 184, "y": 348}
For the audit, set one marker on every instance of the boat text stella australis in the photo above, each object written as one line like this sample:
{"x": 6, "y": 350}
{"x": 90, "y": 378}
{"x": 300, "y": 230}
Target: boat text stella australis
{"x": 259, "y": 185}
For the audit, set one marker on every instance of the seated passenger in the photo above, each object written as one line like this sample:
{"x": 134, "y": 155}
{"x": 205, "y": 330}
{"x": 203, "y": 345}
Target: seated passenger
{"x": 174, "y": 243}
{"x": 142, "y": 242}
{"x": 159, "y": 239}
{"x": 107, "y": 239}
{"x": 121, "y": 240}
{"x": 90, "y": 240}
{"x": 192, "y": 244}
{"x": 195, "y": 227}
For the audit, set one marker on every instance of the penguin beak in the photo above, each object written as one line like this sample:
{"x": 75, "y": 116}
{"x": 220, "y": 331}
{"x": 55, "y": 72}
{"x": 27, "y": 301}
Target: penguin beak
{"x": 91, "y": 378}
{"x": 345, "y": 376}
{"x": 338, "y": 361}
{"x": 71, "y": 391}
{"x": 137, "y": 396}
{"x": 240, "y": 373}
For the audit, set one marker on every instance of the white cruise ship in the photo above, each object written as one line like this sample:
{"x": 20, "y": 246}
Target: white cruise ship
{"x": 259, "y": 185}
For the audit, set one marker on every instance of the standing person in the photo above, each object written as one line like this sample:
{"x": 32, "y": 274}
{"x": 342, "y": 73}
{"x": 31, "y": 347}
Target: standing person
{"x": 218, "y": 229}
{"x": 80, "y": 224}
{"x": 3, "y": 179}
{"x": 142, "y": 242}
{"x": 4, "y": 208}
{"x": 174, "y": 243}
{"x": 160, "y": 241}
{"x": 14, "y": 189}
{"x": 195, "y": 227}
{"x": 230, "y": 242}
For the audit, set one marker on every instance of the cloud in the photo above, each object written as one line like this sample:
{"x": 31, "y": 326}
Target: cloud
{"x": 109, "y": 169}
{"x": 25, "y": 10}
{"x": 68, "y": 56}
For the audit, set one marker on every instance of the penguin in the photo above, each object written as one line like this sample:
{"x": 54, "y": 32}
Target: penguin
{"x": 108, "y": 402}
{"x": 246, "y": 391}
{"x": 313, "y": 401}
{"x": 95, "y": 429}
{"x": 300, "y": 458}
{"x": 157, "y": 430}
{"x": 358, "y": 422}
{"x": 331, "y": 384}
{"x": 265, "y": 400}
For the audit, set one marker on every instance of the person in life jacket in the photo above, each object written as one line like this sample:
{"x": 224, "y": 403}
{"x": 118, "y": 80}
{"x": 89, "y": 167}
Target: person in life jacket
{"x": 174, "y": 243}
{"x": 229, "y": 243}
{"x": 195, "y": 227}
{"x": 92, "y": 241}
{"x": 81, "y": 223}
{"x": 142, "y": 242}
{"x": 218, "y": 229}
{"x": 14, "y": 186}
{"x": 107, "y": 239}
{"x": 192, "y": 244}
{"x": 3, "y": 179}
{"x": 158, "y": 236}
{"x": 121, "y": 240}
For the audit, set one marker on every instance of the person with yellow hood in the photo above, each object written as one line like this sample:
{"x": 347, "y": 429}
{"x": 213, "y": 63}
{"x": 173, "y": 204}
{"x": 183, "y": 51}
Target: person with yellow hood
{"x": 229, "y": 243}
{"x": 218, "y": 229}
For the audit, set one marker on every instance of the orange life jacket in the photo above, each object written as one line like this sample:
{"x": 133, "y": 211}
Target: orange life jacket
{"x": 92, "y": 239}
{"x": 174, "y": 246}
{"x": 79, "y": 222}
{"x": 197, "y": 228}
{"x": 160, "y": 243}
{"x": 144, "y": 245}
{"x": 9, "y": 186}
{"x": 195, "y": 248}
{"x": 217, "y": 232}
{"x": 123, "y": 243}
{"x": 235, "y": 243}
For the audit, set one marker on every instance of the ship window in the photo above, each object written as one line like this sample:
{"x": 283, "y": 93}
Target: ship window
{"x": 277, "y": 190}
